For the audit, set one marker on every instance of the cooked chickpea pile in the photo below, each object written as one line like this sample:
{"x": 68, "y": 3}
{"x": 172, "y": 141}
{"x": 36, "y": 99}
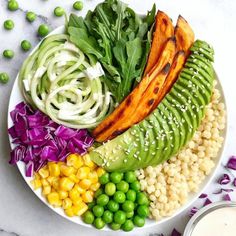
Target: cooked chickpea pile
{"x": 169, "y": 184}
{"x": 71, "y": 184}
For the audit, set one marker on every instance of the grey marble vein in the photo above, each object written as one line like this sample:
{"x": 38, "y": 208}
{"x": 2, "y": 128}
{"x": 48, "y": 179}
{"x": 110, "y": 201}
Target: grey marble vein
{"x": 6, "y": 233}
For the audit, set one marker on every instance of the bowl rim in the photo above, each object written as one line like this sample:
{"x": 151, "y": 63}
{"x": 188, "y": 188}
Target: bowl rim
{"x": 149, "y": 222}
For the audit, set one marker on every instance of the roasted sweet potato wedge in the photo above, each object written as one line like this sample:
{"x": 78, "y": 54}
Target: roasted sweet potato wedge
{"x": 163, "y": 30}
{"x": 121, "y": 119}
{"x": 171, "y": 78}
{"x": 184, "y": 35}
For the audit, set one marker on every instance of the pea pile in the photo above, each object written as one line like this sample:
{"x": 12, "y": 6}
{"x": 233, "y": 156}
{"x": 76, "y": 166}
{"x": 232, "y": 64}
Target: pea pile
{"x": 42, "y": 31}
{"x": 118, "y": 203}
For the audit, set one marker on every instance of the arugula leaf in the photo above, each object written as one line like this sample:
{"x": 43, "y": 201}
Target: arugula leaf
{"x": 76, "y": 21}
{"x": 150, "y": 18}
{"x": 87, "y": 44}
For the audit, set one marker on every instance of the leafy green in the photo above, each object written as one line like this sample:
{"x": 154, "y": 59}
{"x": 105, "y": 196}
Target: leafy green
{"x": 119, "y": 38}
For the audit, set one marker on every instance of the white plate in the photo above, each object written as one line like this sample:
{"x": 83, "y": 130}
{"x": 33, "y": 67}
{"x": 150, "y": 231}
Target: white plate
{"x": 16, "y": 98}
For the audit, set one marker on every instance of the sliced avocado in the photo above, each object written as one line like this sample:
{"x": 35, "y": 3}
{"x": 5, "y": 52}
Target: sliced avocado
{"x": 202, "y": 44}
{"x": 202, "y": 51}
{"x": 173, "y": 134}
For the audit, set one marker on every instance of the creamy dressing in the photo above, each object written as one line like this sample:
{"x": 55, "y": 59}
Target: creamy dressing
{"x": 221, "y": 222}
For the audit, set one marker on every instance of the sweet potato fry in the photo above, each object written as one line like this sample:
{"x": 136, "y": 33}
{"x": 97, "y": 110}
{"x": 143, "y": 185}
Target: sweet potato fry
{"x": 120, "y": 119}
{"x": 184, "y": 35}
{"x": 171, "y": 78}
{"x": 163, "y": 30}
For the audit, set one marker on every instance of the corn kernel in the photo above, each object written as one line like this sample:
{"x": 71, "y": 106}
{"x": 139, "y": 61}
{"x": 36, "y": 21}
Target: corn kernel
{"x": 74, "y": 194}
{"x": 85, "y": 183}
{"x": 50, "y": 179}
{"x": 87, "y": 196}
{"x": 55, "y": 183}
{"x": 100, "y": 171}
{"x": 83, "y": 172}
{"x": 80, "y": 190}
{"x": 77, "y": 201}
{"x": 74, "y": 160}
{"x": 74, "y": 178}
{"x": 80, "y": 209}
{"x": 88, "y": 162}
{"x": 45, "y": 182}
{"x": 46, "y": 190}
{"x": 54, "y": 169}
{"x": 37, "y": 176}
{"x": 44, "y": 173}
{"x": 94, "y": 187}
{"x": 67, "y": 170}
{"x": 53, "y": 199}
{"x": 62, "y": 194}
{"x": 93, "y": 176}
{"x": 69, "y": 212}
{"x": 36, "y": 183}
{"x": 66, "y": 203}
{"x": 66, "y": 184}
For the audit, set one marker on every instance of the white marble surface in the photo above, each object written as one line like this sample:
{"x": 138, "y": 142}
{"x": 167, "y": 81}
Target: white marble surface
{"x": 21, "y": 213}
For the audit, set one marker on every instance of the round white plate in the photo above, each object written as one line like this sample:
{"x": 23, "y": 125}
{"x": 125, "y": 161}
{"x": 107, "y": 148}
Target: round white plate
{"x": 16, "y": 98}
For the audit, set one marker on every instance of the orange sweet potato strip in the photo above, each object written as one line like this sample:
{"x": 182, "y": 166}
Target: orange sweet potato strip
{"x": 184, "y": 35}
{"x": 120, "y": 119}
{"x": 163, "y": 30}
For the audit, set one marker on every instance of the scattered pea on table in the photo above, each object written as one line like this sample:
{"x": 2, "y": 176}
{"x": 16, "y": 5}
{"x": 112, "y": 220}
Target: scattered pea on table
{"x": 30, "y": 16}
{"x": 25, "y": 45}
{"x": 12, "y": 5}
{"x": 43, "y": 30}
{"x": 59, "y": 11}
{"x": 78, "y": 5}
{"x": 4, "y": 77}
{"x": 8, "y": 24}
{"x": 8, "y": 53}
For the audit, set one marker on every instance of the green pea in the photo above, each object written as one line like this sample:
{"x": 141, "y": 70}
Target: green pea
{"x": 8, "y": 53}
{"x": 98, "y": 211}
{"x": 110, "y": 189}
{"x": 139, "y": 221}
{"x": 25, "y": 45}
{"x": 119, "y": 217}
{"x": 128, "y": 225}
{"x": 112, "y": 206}
{"x": 30, "y": 16}
{"x": 115, "y": 226}
{"x": 119, "y": 197}
{"x": 8, "y": 24}
{"x": 4, "y": 77}
{"x": 143, "y": 211}
{"x": 131, "y": 195}
{"x": 12, "y": 5}
{"x": 59, "y": 11}
{"x": 104, "y": 179}
{"x": 123, "y": 186}
{"x": 135, "y": 186}
{"x": 115, "y": 177}
{"x": 128, "y": 206}
{"x": 78, "y": 5}
{"x": 98, "y": 193}
{"x": 99, "y": 223}
{"x": 107, "y": 216}
{"x": 43, "y": 30}
{"x": 129, "y": 214}
{"x": 130, "y": 177}
{"x": 88, "y": 217}
{"x": 102, "y": 200}
{"x": 142, "y": 199}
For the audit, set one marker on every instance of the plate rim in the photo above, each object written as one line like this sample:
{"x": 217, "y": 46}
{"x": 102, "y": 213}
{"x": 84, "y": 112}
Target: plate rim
{"x": 149, "y": 222}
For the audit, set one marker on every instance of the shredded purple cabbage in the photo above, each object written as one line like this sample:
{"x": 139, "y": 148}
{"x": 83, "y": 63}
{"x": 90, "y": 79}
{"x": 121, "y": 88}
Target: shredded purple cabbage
{"x": 227, "y": 190}
{"x": 175, "y": 233}
{"x": 39, "y": 140}
{"x": 226, "y": 197}
{"x": 207, "y": 202}
{"x": 224, "y": 179}
{"x": 232, "y": 163}
{"x": 193, "y": 211}
{"x": 203, "y": 195}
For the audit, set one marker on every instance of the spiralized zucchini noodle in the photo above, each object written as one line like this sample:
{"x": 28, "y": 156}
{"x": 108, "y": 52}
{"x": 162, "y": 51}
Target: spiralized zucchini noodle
{"x": 59, "y": 80}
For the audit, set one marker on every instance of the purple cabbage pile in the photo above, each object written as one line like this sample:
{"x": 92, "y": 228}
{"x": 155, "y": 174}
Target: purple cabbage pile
{"x": 38, "y": 139}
